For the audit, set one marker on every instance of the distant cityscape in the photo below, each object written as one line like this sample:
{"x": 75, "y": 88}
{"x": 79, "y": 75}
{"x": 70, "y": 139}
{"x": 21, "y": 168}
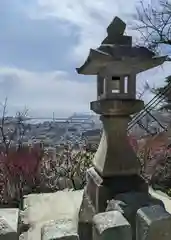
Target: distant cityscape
{"x": 56, "y": 131}
{"x": 78, "y": 128}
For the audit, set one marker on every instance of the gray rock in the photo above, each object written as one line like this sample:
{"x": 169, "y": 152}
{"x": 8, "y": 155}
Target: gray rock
{"x": 9, "y": 224}
{"x": 111, "y": 225}
{"x": 61, "y": 229}
{"x": 153, "y": 223}
{"x": 23, "y": 236}
{"x": 116, "y": 27}
{"x": 116, "y": 205}
{"x": 39, "y": 209}
{"x": 129, "y": 203}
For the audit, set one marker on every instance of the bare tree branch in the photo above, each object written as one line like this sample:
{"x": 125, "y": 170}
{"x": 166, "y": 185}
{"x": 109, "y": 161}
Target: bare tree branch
{"x": 153, "y": 22}
{"x": 146, "y": 87}
{"x": 12, "y": 129}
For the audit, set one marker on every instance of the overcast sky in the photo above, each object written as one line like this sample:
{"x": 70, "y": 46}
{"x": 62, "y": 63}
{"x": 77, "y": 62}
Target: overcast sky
{"x": 41, "y": 44}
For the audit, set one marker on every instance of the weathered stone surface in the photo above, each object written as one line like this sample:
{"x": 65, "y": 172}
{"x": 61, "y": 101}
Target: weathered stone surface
{"x": 118, "y": 40}
{"x": 127, "y": 52}
{"x": 114, "y": 205}
{"x": 42, "y": 208}
{"x": 23, "y": 236}
{"x": 129, "y": 203}
{"x": 100, "y": 190}
{"x": 96, "y": 194}
{"x": 162, "y": 197}
{"x": 153, "y": 222}
{"x": 110, "y": 159}
{"x": 111, "y": 225}
{"x": 86, "y": 215}
{"x": 116, "y": 27}
{"x": 9, "y": 223}
{"x": 60, "y": 229}
{"x": 135, "y": 200}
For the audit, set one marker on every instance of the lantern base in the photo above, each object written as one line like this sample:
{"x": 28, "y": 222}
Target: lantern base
{"x": 99, "y": 191}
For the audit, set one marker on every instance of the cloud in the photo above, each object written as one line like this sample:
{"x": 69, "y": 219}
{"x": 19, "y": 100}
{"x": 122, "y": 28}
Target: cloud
{"x": 155, "y": 77}
{"x": 90, "y": 17}
{"x": 47, "y": 92}
{"x": 41, "y": 44}
{"x": 32, "y": 44}
{"x": 44, "y": 93}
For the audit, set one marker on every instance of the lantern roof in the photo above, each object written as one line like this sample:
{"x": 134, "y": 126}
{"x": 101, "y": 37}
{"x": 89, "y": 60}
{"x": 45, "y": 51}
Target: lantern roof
{"x": 116, "y": 51}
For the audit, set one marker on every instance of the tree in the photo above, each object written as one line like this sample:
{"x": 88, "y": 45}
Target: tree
{"x": 165, "y": 93}
{"x": 12, "y": 129}
{"x": 144, "y": 89}
{"x": 153, "y": 22}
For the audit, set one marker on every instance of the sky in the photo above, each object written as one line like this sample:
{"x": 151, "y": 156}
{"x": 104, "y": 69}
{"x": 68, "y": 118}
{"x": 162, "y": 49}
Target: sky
{"x": 42, "y": 42}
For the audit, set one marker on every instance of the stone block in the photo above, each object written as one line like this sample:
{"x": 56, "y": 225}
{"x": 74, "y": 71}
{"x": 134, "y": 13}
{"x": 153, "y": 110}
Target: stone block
{"x": 9, "y": 224}
{"x": 100, "y": 190}
{"x": 24, "y": 236}
{"x": 42, "y": 208}
{"x": 116, "y": 27}
{"x": 119, "y": 40}
{"x": 153, "y": 223}
{"x": 86, "y": 214}
{"x": 129, "y": 203}
{"x": 111, "y": 225}
{"x": 95, "y": 187}
{"x": 135, "y": 200}
{"x": 61, "y": 229}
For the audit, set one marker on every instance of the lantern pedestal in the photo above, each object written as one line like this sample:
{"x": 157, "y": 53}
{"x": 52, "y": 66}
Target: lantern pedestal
{"x": 99, "y": 191}
{"x": 110, "y": 159}
{"x": 116, "y": 168}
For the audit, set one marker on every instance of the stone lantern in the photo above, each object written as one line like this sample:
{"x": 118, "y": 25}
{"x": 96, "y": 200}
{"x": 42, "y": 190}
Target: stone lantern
{"x": 116, "y": 63}
{"x": 116, "y": 168}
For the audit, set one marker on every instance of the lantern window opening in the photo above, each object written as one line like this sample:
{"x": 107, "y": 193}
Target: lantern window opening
{"x": 126, "y": 84}
{"x": 116, "y": 80}
{"x": 101, "y": 86}
{"x": 104, "y": 85}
